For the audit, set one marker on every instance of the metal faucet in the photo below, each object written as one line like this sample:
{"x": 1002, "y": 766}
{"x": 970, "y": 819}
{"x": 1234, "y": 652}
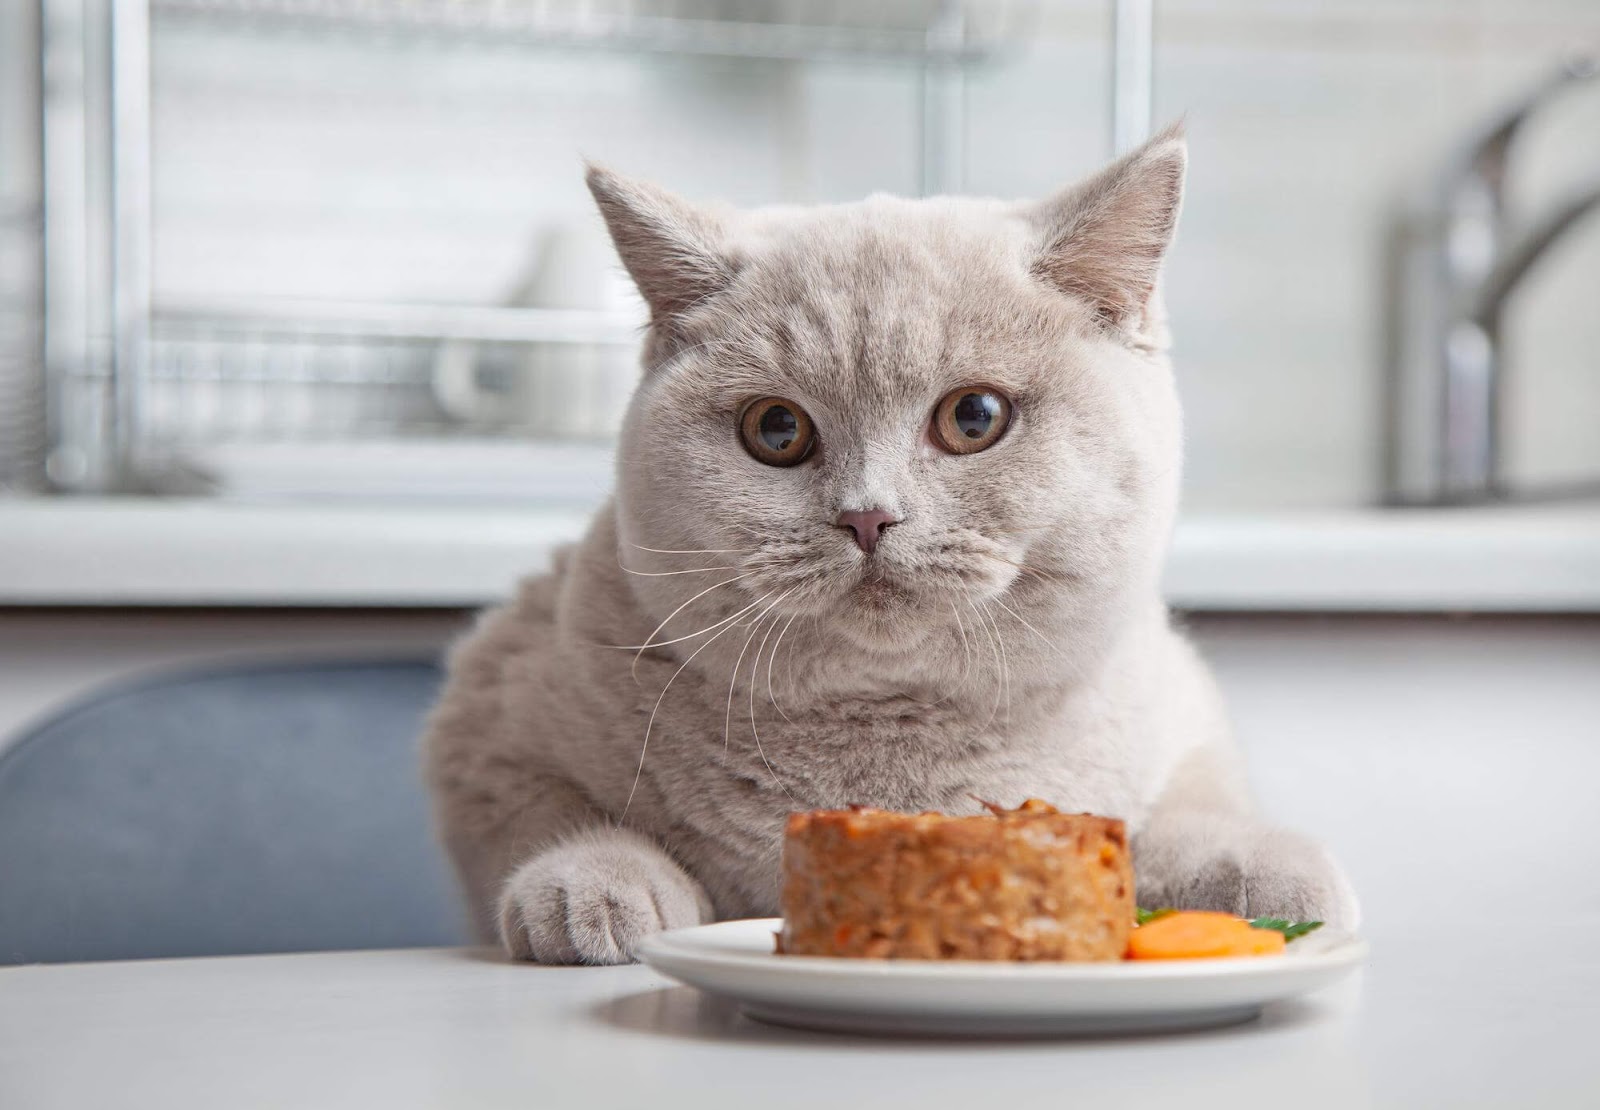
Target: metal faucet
{"x": 1454, "y": 267}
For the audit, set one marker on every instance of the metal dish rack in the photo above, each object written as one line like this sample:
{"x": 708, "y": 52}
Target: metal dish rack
{"x": 135, "y": 386}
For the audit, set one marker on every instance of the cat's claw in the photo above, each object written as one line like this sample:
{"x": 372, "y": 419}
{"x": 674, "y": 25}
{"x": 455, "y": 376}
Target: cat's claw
{"x": 591, "y": 900}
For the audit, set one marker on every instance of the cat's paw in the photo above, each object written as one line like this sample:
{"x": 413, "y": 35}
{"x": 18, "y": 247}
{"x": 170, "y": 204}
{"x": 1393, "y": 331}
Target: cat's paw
{"x": 1246, "y": 869}
{"x": 1289, "y": 877}
{"x": 591, "y": 899}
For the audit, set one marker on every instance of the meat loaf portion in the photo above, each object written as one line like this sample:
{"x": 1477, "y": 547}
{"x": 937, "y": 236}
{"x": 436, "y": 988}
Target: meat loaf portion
{"x": 1022, "y": 884}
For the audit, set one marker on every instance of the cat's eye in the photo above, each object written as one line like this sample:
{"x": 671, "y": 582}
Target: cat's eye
{"x": 970, "y": 419}
{"x": 777, "y": 432}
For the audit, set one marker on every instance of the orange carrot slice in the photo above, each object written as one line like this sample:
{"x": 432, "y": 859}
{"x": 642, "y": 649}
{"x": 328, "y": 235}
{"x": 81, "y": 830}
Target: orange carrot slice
{"x": 1198, "y": 935}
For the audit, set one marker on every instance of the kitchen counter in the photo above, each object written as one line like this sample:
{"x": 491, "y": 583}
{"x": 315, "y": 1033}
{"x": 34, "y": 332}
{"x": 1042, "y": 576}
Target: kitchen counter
{"x": 1431, "y": 1022}
{"x": 79, "y": 551}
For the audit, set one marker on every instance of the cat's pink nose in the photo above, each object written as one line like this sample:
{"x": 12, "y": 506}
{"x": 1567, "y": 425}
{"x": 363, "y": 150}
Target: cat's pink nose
{"x": 867, "y": 524}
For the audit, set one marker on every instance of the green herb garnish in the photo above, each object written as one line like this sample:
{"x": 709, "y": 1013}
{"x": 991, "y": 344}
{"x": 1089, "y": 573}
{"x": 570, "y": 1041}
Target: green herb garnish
{"x": 1289, "y": 929}
{"x": 1144, "y": 917}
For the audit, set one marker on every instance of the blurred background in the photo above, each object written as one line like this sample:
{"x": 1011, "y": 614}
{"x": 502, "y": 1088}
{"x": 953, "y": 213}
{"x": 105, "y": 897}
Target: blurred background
{"x": 310, "y": 343}
{"x": 255, "y": 240}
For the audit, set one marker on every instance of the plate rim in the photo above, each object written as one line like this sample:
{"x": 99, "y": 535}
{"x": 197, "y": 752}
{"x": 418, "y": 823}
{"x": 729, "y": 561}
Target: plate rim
{"x": 668, "y": 946}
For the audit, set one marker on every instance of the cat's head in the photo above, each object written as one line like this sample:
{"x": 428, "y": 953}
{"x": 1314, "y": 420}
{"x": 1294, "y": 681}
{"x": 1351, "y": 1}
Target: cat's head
{"x": 894, "y": 413}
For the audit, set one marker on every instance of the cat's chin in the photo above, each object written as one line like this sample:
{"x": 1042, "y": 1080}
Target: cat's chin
{"x": 886, "y": 615}
{"x": 877, "y": 636}
{"x": 879, "y": 596}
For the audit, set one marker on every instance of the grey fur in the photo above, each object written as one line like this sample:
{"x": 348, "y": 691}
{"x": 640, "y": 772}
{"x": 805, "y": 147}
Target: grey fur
{"x": 1007, "y": 640}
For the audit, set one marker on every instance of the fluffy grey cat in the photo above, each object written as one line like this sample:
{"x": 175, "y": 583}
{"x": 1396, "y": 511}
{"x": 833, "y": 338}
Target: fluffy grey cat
{"x": 892, "y": 499}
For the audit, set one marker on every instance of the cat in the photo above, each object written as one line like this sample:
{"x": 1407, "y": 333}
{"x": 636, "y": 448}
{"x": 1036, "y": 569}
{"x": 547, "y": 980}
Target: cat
{"x": 892, "y": 499}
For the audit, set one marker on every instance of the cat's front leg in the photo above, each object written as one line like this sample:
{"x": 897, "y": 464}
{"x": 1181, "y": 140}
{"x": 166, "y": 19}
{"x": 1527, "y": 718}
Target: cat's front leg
{"x": 592, "y": 897}
{"x": 1205, "y": 859}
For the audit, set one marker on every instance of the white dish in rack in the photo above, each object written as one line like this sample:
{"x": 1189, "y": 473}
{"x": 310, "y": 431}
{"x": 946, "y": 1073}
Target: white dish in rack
{"x": 735, "y": 959}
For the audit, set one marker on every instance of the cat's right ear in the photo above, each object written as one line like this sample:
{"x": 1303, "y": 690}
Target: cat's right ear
{"x": 673, "y": 250}
{"x": 1105, "y": 238}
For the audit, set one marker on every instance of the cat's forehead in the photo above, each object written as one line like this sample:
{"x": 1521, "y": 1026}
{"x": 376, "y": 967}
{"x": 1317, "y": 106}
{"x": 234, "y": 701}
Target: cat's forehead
{"x": 883, "y": 245}
{"x": 883, "y": 299}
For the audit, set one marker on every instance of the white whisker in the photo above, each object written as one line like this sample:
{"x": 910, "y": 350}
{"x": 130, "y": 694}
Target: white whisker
{"x": 755, "y": 668}
{"x": 753, "y": 732}
{"x": 953, "y": 690}
{"x": 727, "y": 720}
{"x": 773, "y": 657}
{"x": 788, "y": 670}
{"x": 691, "y": 550}
{"x": 1042, "y": 637}
{"x": 789, "y": 667}
{"x": 669, "y": 573}
{"x": 641, "y": 648}
{"x": 639, "y": 773}
{"x": 1005, "y": 666}
{"x": 729, "y": 619}
{"x": 966, "y": 649}
{"x": 993, "y": 646}
{"x": 966, "y": 655}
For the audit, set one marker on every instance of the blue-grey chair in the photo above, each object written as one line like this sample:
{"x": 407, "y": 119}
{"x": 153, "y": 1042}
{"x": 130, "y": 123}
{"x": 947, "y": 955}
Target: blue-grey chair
{"x": 264, "y": 808}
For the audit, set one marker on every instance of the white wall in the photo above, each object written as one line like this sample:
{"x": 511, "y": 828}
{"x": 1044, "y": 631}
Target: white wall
{"x": 1449, "y": 762}
{"x": 296, "y": 165}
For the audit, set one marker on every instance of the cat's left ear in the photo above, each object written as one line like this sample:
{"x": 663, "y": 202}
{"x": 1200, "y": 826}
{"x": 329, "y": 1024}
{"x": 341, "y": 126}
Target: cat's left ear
{"x": 673, "y": 250}
{"x": 1103, "y": 240}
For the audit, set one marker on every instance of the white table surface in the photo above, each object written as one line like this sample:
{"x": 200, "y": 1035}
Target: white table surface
{"x": 1435, "y": 1020}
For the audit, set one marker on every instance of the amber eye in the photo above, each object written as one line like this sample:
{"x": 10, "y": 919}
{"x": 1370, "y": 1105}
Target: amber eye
{"x": 777, "y": 432}
{"x": 970, "y": 419}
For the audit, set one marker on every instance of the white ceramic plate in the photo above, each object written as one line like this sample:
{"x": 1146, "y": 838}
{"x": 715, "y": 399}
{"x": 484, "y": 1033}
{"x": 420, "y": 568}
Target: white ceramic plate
{"x": 969, "y": 997}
